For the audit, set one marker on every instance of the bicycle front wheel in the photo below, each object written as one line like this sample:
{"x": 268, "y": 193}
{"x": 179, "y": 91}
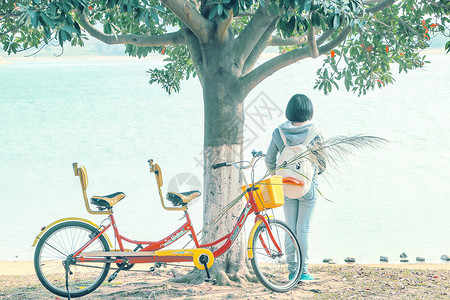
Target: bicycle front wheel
{"x": 277, "y": 258}
{"x": 53, "y": 256}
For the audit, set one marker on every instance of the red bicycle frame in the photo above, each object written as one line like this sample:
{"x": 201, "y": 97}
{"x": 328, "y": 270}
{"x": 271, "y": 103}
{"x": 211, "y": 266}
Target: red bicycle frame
{"x": 249, "y": 208}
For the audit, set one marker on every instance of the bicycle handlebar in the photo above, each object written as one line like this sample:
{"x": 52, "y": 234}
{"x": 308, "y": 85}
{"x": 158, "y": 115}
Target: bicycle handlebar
{"x": 255, "y": 155}
{"x": 220, "y": 165}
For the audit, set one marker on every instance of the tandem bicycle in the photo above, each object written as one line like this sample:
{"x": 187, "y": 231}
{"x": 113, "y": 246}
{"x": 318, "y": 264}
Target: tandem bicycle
{"x": 73, "y": 256}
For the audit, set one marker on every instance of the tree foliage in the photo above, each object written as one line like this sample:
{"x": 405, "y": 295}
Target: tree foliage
{"x": 364, "y": 40}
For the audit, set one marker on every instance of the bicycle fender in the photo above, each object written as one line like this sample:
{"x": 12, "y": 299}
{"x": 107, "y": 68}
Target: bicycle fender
{"x": 250, "y": 239}
{"x": 194, "y": 253}
{"x": 44, "y": 229}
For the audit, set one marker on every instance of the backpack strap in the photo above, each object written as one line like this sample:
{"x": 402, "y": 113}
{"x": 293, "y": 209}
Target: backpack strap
{"x": 283, "y": 137}
{"x": 311, "y": 135}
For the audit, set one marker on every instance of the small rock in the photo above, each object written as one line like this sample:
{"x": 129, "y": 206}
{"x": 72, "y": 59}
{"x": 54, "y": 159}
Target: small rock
{"x": 331, "y": 262}
{"x": 350, "y": 259}
{"x": 404, "y": 260}
{"x": 420, "y": 258}
{"x": 384, "y": 258}
{"x": 445, "y": 257}
{"x": 403, "y": 255}
{"x": 326, "y": 260}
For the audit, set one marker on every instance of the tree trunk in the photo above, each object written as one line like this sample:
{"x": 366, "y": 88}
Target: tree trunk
{"x": 223, "y": 139}
{"x": 223, "y": 142}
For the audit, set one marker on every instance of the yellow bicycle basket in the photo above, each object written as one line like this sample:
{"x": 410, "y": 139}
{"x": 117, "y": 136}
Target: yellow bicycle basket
{"x": 270, "y": 193}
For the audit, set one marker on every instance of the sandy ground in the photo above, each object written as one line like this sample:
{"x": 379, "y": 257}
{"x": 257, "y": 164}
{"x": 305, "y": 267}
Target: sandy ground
{"x": 349, "y": 281}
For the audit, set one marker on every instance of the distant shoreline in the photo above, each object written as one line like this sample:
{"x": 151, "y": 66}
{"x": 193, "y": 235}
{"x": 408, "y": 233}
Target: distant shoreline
{"x": 7, "y": 59}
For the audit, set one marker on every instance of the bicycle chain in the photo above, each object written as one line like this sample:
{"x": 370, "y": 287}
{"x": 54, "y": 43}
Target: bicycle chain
{"x": 131, "y": 270}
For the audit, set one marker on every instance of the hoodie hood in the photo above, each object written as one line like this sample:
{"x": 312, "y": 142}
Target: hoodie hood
{"x": 295, "y": 135}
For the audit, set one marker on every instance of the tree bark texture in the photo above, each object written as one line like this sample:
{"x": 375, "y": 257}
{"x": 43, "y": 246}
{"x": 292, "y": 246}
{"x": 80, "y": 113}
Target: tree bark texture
{"x": 224, "y": 123}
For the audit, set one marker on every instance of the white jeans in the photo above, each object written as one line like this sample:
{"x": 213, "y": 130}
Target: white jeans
{"x": 298, "y": 214}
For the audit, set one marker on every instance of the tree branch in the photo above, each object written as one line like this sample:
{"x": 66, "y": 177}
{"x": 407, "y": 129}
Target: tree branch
{"x": 345, "y": 32}
{"x": 293, "y": 41}
{"x": 191, "y": 17}
{"x": 245, "y": 14}
{"x": 223, "y": 26}
{"x": 437, "y": 5}
{"x": 325, "y": 36}
{"x": 252, "y": 79}
{"x": 334, "y": 43}
{"x": 195, "y": 51}
{"x": 263, "y": 42}
{"x": 372, "y": 1}
{"x": 4, "y": 15}
{"x": 173, "y": 38}
{"x": 252, "y": 33}
{"x": 312, "y": 38}
{"x": 380, "y": 7}
{"x": 12, "y": 29}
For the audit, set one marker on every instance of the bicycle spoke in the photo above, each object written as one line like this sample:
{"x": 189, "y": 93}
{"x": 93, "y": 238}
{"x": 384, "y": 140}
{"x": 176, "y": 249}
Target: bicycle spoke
{"x": 277, "y": 270}
{"x": 55, "y": 249}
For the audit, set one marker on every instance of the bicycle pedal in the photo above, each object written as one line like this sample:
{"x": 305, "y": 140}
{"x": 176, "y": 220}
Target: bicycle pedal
{"x": 112, "y": 277}
{"x": 213, "y": 281}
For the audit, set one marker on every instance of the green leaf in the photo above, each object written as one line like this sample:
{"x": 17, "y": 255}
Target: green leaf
{"x": 291, "y": 26}
{"x": 315, "y": 19}
{"x": 155, "y": 16}
{"x": 336, "y": 21}
{"x": 293, "y": 3}
{"x": 301, "y": 5}
{"x": 107, "y": 28}
{"x": 307, "y": 6}
{"x": 160, "y": 9}
{"x": 69, "y": 29}
{"x": 213, "y": 12}
{"x": 45, "y": 18}
{"x": 34, "y": 18}
{"x": 47, "y": 33}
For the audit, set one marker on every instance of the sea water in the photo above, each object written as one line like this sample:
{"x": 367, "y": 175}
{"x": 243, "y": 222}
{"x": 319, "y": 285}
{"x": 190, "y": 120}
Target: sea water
{"x": 103, "y": 114}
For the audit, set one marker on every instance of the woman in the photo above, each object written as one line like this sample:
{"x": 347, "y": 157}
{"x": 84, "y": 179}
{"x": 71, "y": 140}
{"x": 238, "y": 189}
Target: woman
{"x": 298, "y": 212}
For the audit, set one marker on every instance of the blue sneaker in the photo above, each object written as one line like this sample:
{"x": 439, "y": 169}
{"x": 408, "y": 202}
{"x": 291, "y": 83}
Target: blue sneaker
{"x": 291, "y": 276}
{"x": 306, "y": 277}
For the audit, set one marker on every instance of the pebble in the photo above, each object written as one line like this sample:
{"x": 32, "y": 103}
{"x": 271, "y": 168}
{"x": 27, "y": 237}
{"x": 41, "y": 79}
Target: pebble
{"x": 404, "y": 260}
{"x": 403, "y": 255}
{"x": 384, "y": 258}
{"x": 445, "y": 257}
{"x": 331, "y": 262}
{"x": 326, "y": 260}
{"x": 420, "y": 258}
{"x": 350, "y": 259}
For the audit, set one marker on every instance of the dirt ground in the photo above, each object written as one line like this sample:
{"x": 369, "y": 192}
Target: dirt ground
{"x": 405, "y": 281}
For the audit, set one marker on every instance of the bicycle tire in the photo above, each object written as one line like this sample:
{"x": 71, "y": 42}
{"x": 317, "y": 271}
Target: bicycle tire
{"x": 54, "y": 248}
{"x": 279, "y": 272}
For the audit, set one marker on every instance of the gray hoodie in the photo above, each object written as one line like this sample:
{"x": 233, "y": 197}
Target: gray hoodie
{"x": 295, "y": 135}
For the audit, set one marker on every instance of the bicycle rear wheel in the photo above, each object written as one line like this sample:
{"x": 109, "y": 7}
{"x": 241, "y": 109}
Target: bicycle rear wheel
{"x": 55, "y": 249}
{"x": 277, "y": 270}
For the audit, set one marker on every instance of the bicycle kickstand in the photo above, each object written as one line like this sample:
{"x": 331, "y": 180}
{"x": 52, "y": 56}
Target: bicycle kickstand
{"x": 204, "y": 260}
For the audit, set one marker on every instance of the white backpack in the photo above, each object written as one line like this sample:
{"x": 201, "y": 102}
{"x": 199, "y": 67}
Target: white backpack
{"x": 298, "y": 175}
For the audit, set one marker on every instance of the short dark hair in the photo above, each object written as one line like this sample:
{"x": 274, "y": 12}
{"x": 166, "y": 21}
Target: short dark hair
{"x": 299, "y": 109}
